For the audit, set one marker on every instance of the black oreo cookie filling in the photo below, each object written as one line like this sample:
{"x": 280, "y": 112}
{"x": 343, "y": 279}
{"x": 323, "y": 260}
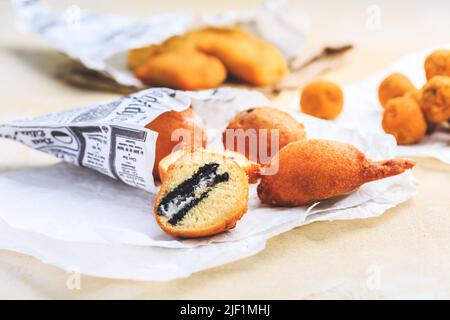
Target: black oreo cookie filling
{"x": 177, "y": 203}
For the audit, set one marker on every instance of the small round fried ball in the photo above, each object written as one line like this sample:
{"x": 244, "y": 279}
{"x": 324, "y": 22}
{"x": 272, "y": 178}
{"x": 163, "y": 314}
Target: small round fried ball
{"x": 403, "y": 119}
{"x": 435, "y": 101}
{"x": 438, "y": 64}
{"x": 416, "y": 95}
{"x": 322, "y": 99}
{"x": 176, "y": 129}
{"x": 396, "y": 85}
{"x": 251, "y": 132}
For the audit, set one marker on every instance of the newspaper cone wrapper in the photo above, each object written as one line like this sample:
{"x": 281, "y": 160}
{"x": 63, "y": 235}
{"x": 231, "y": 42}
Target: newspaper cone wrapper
{"x": 70, "y": 216}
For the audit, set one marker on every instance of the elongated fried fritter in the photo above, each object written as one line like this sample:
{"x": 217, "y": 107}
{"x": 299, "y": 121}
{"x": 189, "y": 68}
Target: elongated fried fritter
{"x": 184, "y": 69}
{"x": 313, "y": 170}
{"x": 201, "y": 59}
{"x": 246, "y": 57}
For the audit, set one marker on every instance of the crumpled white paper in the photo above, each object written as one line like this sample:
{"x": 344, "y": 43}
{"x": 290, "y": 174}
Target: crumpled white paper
{"x": 362, "y": 109}
{"x": 101, "y": 41}
{"x": 70, "y": 216}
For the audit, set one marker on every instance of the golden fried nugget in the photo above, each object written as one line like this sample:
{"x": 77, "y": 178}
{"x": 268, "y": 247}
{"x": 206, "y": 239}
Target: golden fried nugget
{"x": 403, "y": 118}
{"x": 183, "y": 69}
{"x": 258, "y": 126}
{"x": 396, "y": 85}
{"x": 246, "y": 57}
{"x": 322, "y": 99}
{"x": 314, "y": 170}
{"x": 438, "y": 64}
{"x": 416, "y": 95}
{"x": 435, "y": 101}
{"x": 166, "y": 124}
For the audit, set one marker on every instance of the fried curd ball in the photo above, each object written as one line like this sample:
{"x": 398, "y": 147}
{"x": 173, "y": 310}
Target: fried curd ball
{"x": 201, "y": 59}
{"x": 314, "y": 170}
{"x": 438, "y": 64}
{"x": 191, "y": 133}
{"x": 396, "y": 85}
{"x": 435, "y": 101}
{"x": 403, "y": 118}
{"x": 255, "y": 122}
{"x": 322, "y": 99}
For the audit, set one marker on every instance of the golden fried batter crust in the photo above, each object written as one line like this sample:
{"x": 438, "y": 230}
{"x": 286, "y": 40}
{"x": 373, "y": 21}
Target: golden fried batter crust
{"x": 289, "y": 129}
{"x": 201, "y": 59}
{"x": 166, "y": 123}
{"x": 403, "y": 118}
{"x": 322, "y": 99}
{"x": 438, "y": 64}
{"x": 314, "y": 170}
{"x": 396, "y": 85}
{"x": 435, "y": 101}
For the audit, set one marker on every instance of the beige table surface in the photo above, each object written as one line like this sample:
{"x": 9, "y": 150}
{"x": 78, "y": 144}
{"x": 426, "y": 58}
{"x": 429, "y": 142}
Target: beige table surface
{"x": 403, "y": 254}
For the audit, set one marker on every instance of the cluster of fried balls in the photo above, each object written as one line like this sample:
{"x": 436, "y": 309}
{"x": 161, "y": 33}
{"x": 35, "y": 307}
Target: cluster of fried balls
{"x": 409, "y": 113}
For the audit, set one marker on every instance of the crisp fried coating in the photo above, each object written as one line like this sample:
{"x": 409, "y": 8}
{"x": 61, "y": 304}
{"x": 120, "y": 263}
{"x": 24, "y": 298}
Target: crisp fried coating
{"x": 416, "y": 95}
{"x": 246, "y": 57}
{"x": 176, "y": 130}
{"x": 183, "y": 69}
{"x": 201, "y": 59}
{"x": 438, "y": 64}
{"x": 435, "y": 101}
{"x": 322, "y": 99}
{"x": 314, "y": 170}
{"x": 403, "y": 118}
{"x": 261, "y": 125}
{"x": 396, "y": 85}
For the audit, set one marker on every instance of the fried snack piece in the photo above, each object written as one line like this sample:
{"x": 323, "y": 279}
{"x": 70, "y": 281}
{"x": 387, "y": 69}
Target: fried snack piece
{"x": 246, "y": 57}
{"x": 396, "y": 85}
{"x": 438, "y": 64}
{"x": 416, "y": 95}
{"x": 184, "y": 69}
{"x": 403, "y": 118}
{"x": 322, "y": 99}
{"x": 251, "y": 132}
{"x": 200, "y": 58}
{"x": 139, "y": 56}
{"x": 435, "y": 101}
{"x": 204, "y": 193}
{"x": 176, "y": 129}
{"x": 314, "y": 170}
{"x": 252, "y": 169}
